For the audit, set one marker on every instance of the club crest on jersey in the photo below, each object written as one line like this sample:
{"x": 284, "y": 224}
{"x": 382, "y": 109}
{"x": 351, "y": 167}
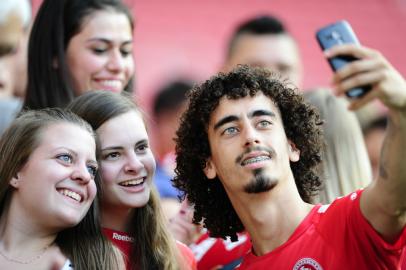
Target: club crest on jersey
{"x": 307, "y": 264}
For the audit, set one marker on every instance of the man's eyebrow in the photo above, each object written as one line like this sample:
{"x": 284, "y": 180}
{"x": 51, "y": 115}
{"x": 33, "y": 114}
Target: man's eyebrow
{"x": 261, "y": 113}
{"x": 225, "y": 120}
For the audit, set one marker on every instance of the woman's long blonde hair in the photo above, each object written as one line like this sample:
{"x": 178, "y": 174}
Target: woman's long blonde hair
{"x": 346, "y": 164}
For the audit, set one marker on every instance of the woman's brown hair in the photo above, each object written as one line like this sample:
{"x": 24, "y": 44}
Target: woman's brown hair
{"x": 153, "y": 246}
{"x": 84, "y": 244}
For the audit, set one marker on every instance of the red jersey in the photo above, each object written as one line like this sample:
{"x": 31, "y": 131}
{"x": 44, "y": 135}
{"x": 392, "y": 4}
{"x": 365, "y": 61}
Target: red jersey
{"x": 212, "y": 253}
{"x": 123, "y": 241}
{"x": 333, "y": 237}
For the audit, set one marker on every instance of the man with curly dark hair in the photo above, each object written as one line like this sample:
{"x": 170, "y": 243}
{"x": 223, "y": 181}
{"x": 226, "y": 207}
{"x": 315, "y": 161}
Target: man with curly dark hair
{"x": 248, "y": 149}
{"x": 262, "y": 41}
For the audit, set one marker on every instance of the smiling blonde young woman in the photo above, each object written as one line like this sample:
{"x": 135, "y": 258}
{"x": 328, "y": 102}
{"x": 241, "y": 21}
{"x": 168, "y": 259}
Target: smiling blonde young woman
{"x": 48, "y": 216}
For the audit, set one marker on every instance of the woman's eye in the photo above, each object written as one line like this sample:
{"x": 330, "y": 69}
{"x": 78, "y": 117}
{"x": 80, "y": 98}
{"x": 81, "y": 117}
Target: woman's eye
{"x": 92, "y": 170}
{"x": 99, "y": 50}
{"x": 230, "y": 130}
{"x": 112, "y": 156}
{"x": 67, "y": 158}
{"x": 125, "y": 52}
{"x": 141, "y": 148}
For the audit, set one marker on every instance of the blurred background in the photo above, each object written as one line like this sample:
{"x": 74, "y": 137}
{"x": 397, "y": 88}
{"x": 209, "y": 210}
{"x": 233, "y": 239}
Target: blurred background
{"x": 181, "y": 38}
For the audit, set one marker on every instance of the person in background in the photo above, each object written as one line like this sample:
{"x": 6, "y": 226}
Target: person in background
{"x": 131, "y": 213}
{"x": 168, "y": 106}
{"x": 264, "y": 41}
{"x": 15, "y": 18}
{"x": 210, "y": 253}
{"x": 252, "y": 146}
{"x": 78, "y": 45}
{"x": 346, "y": 166}
{"x": 48, "y": 216}
{"x": 374, "y": 134}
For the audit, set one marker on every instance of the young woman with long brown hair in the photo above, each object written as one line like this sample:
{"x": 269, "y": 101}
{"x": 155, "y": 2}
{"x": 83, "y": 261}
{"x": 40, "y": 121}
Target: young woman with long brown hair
{"x": 131, "y": 214}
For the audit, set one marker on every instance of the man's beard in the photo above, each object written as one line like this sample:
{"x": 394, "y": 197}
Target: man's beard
{"x": 260, "y": 183}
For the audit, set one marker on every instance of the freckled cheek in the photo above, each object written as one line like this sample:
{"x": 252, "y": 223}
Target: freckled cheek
{"x": 110, "y": 173}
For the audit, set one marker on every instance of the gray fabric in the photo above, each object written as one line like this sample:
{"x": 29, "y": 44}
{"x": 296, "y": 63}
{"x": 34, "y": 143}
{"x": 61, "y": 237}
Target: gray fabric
{"x": 9, "y": 108}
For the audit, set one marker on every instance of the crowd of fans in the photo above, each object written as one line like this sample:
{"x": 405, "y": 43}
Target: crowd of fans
{"x": 245, "y": 170}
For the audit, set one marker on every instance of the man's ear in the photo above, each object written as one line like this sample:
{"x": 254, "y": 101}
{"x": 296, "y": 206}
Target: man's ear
{"x": 15, "y": 182}
{"x": 210, "y": 169}
{"x": 294, "y": 152}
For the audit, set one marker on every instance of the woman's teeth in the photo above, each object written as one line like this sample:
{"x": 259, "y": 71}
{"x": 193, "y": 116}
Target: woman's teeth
{"x": 111, "y": 83}
{"x": 133, "y": 182}
{"x": 70, "y": 194}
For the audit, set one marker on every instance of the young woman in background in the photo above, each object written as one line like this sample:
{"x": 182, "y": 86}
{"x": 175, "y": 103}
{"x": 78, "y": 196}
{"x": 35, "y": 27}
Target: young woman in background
{"x": 76, "y": 46}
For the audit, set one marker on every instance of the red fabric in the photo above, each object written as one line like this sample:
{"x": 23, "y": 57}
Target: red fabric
{"x": 333, "y": 237}
{"x": 404, "y": 264}
{"x": 212, "y": 253}
{"x": 123, "y": 241}
{"x": 188, "y": 256}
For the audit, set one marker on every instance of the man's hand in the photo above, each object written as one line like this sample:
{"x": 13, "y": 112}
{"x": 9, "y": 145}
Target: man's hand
{"x": 371, "y": 69}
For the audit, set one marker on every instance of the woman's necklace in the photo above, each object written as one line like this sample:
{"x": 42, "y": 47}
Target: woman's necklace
{"x": 33, "y": 259}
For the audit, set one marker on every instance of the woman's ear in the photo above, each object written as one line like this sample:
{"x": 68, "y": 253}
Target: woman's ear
{"x": 15, "y": 182}
{"x": 210, "y": 169}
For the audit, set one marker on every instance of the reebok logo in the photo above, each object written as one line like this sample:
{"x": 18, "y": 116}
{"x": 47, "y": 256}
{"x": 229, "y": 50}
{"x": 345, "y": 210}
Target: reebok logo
{"x": 120, "y": 237}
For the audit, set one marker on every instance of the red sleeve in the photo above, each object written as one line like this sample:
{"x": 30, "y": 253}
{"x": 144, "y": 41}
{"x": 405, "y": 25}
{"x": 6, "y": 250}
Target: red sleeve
{"x": 189, "y": 259}
{"x": 350, "y": 234}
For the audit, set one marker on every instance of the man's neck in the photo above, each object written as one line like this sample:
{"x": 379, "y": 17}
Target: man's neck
{"x": 271, "y": 217}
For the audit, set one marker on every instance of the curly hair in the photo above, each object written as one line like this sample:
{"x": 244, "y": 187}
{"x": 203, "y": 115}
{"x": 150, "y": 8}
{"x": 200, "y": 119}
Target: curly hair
{"x": 301, "y": 122}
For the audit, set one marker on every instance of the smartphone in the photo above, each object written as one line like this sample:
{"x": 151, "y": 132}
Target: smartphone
{"x": 336, "y": 34}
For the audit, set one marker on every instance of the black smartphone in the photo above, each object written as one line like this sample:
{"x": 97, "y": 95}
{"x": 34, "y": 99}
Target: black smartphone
{"x": 335, "y": 34}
